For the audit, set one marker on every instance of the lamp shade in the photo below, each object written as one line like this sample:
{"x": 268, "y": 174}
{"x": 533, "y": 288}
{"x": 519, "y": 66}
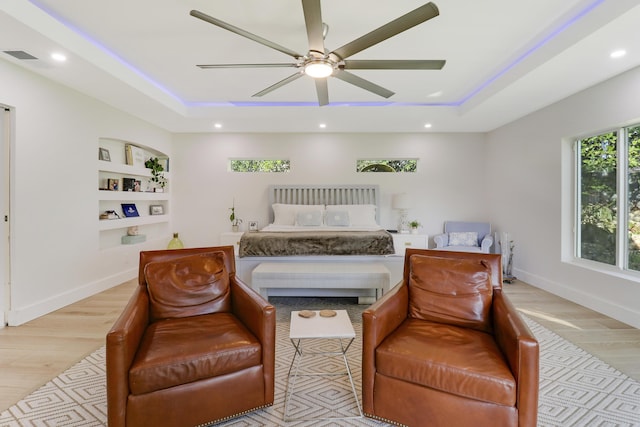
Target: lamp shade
{"x": 401, "y": 201}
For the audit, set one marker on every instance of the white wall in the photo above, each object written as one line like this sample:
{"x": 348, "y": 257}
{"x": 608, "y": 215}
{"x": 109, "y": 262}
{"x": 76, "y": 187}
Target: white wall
{"x": 54, "y": 235}
{"x": 531, "y": 176}
{"x": 512, "y": 177}
{"x": 449, "y": 184}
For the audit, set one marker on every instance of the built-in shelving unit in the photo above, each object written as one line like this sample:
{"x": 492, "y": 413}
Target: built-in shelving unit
{"x": 112, "y": 174}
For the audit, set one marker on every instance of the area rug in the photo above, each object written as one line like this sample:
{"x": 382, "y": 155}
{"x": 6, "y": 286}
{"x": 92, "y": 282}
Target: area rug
{"x": 576, "y": 388}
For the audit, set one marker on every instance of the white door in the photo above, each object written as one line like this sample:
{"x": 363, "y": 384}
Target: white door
{"x": 5, "y": 257}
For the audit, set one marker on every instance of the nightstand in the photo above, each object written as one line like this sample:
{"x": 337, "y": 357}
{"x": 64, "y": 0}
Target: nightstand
{"x": 232, "y": 238}
{"x": 402, "y": 241}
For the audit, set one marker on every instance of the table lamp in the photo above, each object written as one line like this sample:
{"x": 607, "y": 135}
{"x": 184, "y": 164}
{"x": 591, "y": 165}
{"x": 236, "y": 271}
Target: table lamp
{"x": 402, "y": 203}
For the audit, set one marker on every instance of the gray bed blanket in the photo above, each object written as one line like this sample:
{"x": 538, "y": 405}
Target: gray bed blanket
{"x": 316, "y": 243}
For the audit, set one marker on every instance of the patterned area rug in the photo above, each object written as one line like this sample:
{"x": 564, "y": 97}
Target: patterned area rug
{"x": 576, "y": 388}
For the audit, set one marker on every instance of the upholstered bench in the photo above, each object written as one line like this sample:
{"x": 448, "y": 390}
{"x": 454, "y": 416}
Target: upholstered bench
{"x": 321, "y": 275}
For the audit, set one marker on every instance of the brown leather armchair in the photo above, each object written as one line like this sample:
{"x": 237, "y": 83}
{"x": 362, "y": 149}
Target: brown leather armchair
{"x": 445, "y": 347}
{"x": 194, "y": 344}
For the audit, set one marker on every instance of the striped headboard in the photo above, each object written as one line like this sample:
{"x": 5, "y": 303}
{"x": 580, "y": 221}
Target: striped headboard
{"x": 324, "y": 195}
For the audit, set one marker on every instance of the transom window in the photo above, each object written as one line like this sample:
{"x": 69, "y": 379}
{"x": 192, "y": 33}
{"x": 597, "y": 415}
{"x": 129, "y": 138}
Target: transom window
{"x": 388, "y": 165}
{"x": 259, "y": 165}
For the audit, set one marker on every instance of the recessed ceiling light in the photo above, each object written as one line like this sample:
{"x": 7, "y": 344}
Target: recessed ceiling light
{"x": 217, "y": 125}
{"x": 427, "y": 125}
{"x": 435, "y": 94}
{"x": 618, "y": 53}
{"x": 56, "y": 56}
{"x": 322, "y": 125}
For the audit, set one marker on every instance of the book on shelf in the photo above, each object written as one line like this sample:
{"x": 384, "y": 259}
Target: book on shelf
{"x": 134, "y": 156}
{"x": 129, "y": 210}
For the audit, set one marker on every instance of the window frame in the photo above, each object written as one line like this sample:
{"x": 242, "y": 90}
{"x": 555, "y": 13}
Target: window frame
{"x": 385, "y": 162}
{"x": 231, "y": 169}
{"x": 622, "y": 246}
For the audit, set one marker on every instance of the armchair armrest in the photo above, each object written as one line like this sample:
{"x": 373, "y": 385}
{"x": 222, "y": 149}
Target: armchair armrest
{"x": 260, "y": 318}
{"x": 441, "y": 240}
{"x": 486, "y": 243}
{"x": 122, "y": 344}
{"x": 378, "y": 321}
{"x": 521, "y": 350}
{"x": 254, "y": 311}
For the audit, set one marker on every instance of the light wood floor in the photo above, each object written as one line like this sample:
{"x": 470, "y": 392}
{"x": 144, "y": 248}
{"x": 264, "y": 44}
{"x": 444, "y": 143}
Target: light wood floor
{"x": 37, "y": 351}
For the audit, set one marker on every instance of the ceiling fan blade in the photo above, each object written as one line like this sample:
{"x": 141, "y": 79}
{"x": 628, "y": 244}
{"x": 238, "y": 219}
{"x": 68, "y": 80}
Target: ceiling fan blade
{"x": 411, "y": 64}
{"x": 390, "y": 29}
{"x": 313, "y": 21}
{"x": 281, "y": 83}
{"x": 362, "y": 83}
{"x": 276, "y": 65}
{"x": 323, "y": 91}
{"x": 243, "y": 33}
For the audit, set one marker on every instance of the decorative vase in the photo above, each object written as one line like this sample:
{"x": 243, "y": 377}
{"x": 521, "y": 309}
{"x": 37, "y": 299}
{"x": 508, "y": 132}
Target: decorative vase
{"x": 414, "y": 231}
{"x": 506, "y": 249}
{"x": 175, "y": 243}
{"x": 235, "y": 228}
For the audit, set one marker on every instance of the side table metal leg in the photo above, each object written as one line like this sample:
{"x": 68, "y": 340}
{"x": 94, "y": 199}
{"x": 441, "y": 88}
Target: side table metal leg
{"x": 297, "y": 358}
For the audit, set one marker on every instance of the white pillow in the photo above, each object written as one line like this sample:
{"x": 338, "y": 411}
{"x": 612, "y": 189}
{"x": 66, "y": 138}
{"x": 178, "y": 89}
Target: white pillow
{"x": 337, "y": 218}
{"x": 467, "y": 238}
{"x": 284, "y": 214}
{"x": 359, "y": 215}
{"x": 309, "y": 218}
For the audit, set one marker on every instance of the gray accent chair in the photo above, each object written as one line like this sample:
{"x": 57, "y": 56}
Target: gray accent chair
{"x": 483, "y": 243}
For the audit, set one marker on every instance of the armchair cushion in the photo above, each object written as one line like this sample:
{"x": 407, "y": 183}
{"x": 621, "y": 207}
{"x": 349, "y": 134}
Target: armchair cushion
{"x": 184, "y": 350}
{"x": 188, "y": 286}
{"x": 455, "y": 291}
{"x": 451, "y": 359}
{"x": 466, "y": 238}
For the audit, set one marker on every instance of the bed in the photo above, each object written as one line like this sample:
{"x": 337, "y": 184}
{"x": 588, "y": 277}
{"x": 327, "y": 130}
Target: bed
{"x": 320, "y": 220}
{"x": 334, "y": 226}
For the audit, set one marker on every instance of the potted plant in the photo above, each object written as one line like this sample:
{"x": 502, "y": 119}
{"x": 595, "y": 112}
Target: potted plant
{"x": 157, "y": 175}
{"x": 414, "y": 226}
{"x": 235, "y": 221}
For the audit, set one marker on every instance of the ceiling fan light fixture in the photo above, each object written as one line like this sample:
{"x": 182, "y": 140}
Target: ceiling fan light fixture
{"x": 318, "y": 69}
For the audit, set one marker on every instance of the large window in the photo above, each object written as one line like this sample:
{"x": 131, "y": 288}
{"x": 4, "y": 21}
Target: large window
{"x": 609, "y": 198}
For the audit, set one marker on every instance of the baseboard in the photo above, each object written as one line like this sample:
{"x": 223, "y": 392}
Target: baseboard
{"x": 40, "y": 308}
{"x": 591, "y": 301}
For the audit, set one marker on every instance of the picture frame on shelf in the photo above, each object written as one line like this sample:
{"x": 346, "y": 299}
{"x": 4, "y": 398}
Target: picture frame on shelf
{"x": 253, "y": 225}
{"x": 113, "y": 184}
{"x": 156, "y": 210}
{"x": 129, "y": 210}
{"x": 131, "y": 184}
{"x": 103, "y": 154}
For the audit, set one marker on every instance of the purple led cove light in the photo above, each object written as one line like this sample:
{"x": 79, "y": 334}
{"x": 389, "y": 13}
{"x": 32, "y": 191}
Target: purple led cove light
{"x": 458, "y": 103}
{"x": 309, "y": 104}
{"x": 531, "y": 50}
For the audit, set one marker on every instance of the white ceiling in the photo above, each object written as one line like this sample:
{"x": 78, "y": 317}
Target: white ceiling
{"x": 505, "y": 59}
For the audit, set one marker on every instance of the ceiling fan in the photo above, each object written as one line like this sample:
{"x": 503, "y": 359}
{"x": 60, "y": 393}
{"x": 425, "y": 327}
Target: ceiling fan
{"x": 320, "y": 64}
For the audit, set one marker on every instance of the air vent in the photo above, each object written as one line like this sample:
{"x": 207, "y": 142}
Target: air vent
{"x": 19, "y": 54}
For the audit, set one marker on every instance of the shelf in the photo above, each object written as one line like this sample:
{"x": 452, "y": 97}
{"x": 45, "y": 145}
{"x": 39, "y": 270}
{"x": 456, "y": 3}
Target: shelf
{"x": 114, "y": 224}
{"x": 154, "y": 227}
{"x": 124, "y": 169}
{"x": 131, "y": 195}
